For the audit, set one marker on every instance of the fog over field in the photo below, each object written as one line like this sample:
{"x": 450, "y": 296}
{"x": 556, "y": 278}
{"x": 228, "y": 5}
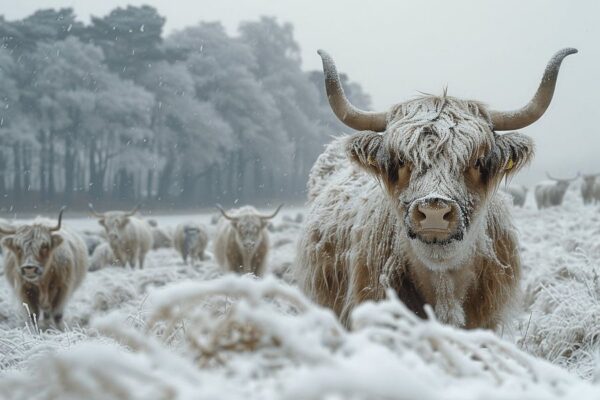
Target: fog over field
{"x": 490, "y": 51}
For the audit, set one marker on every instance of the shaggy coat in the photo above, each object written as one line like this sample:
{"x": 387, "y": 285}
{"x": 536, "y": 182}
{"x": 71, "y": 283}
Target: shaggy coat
{"x": 359, "y": 239}
{"x": 242, "y": 245}
{"x": 190, "y": 240}
{"x": 62, "y": 258}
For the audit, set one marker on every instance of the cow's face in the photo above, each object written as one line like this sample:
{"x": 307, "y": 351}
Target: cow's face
{"x": 439, "y": 163}
{"x": 248, "y": 231}
{"x": 114, "y": 224}
{"x": 32, "y": 246}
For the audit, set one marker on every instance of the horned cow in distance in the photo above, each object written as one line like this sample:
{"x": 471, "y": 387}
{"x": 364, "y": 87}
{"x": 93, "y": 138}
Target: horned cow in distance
{"x": 410, "y": 203}
{"x": 130, "y": 237}
{"x": 551, "y": 193}
{"x": 241, "y": 243}
{"x": 44, "y": 264}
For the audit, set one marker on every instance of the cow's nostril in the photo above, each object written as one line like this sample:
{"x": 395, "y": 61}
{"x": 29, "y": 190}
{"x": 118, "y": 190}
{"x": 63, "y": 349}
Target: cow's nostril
{"x": 449, "y": 215}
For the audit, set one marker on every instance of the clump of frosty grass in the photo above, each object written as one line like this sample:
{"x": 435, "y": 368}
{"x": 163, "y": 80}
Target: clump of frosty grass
{"x": 565, "y": 323}
{"x": 238, "y": 337}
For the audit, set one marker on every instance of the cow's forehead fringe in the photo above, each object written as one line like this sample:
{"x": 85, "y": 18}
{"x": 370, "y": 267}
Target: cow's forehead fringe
{"x": 430, "y": 130}
{"x": 33, "y": 236}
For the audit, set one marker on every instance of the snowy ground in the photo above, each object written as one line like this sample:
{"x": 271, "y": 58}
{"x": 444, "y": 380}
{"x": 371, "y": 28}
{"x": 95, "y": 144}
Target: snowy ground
{"x": 172, "y": 331}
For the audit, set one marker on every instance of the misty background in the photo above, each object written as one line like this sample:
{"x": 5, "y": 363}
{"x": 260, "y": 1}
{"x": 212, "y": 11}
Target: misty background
{"x": 187, "y": 103}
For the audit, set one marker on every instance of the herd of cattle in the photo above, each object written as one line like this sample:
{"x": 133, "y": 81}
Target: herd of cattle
{"x": 552, "y": 192}
{"x": 45, "y": 262}
{"x": 407, "y": 203}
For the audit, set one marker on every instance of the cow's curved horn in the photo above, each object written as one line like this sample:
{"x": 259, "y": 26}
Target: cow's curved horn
{"x": 273, "y": 214}
{"x": 354, "y": 117}
{"x": 517, "y": 119}
{"x": 7, "y": 231}
{"x": 60, "y": 214}
{"x": 565, "y": 180}
{"x": 134, "y": 210}
{"x": 227, "y": 216}
{"x": 94, "y": 212}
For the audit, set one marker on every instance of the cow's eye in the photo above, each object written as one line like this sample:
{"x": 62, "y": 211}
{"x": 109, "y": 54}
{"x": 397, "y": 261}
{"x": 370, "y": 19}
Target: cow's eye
{"x": 479, "y": 163}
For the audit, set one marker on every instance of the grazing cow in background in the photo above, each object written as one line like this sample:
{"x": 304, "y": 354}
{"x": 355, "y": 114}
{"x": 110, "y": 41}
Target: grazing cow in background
{"x": 92, "y": 240}
{"x": 161, "y": 239}
{"x": 587, "y": 188}
{"x": 551, "y": 193}
{"x": 242, "y": 242}
{"x": 44, "y": 264}
{"x": 190, "y": 240}
{"x": 411, "y": 203}
{"x": 102, "y": 257}
{"x": 518, "y": 194}
{"x": 130, "y": 238}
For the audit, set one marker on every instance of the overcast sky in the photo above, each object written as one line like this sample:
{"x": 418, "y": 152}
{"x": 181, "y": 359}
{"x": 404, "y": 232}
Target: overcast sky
{"x": 493, "y": 51}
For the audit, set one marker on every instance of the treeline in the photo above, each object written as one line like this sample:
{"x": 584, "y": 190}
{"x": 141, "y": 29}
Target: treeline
{"x": 116, "y": 113}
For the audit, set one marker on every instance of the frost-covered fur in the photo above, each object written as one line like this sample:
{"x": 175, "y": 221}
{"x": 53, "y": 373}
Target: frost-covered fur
{"x": 359, "y": 237}
{"x": 242, "y": 246}
{"x": 550, "y": 193}
{"x": 62, "y": 258}
{"x": 130, "y": 238}
{"x": 102, "y": 257}
{"x": 518, "y": 194}
{"x": 190, "y": 240}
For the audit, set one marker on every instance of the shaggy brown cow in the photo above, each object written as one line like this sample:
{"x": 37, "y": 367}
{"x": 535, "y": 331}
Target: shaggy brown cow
{"x": 411, "y": 203}
{"x": 44, "y": 265}
{"x": 242, "y": 242}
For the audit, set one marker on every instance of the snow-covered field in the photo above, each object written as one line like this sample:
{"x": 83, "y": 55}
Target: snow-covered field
{"x": 173, "y": 331}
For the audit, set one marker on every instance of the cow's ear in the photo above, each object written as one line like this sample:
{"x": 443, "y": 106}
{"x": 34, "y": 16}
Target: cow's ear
{"x": 366, "y": 150}
{"x": 101, "y": 221}
{"x": 56, "y": 240}
{"x": 515, "y": 151}
{"x": 8, "y": 242}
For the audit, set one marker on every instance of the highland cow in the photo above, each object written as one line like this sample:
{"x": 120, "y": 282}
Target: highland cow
{"x": 410, "y": 203}
{"x": 587, "y": 188}
{"x": 551, "y": 193}
{"x": 44, "y": 264}
{"x": 241, "y": 244}
{"x": 130, "y": 238}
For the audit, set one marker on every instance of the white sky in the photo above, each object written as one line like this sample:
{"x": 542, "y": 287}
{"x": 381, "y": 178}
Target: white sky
{"x": 493, "y": 51}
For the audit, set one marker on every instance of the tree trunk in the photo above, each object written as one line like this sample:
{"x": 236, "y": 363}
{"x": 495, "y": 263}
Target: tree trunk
{"x": 17, "y": 186}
